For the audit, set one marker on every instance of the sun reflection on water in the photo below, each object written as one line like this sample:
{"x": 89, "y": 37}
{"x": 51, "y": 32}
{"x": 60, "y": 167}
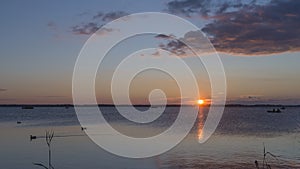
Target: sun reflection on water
{"x": 200, "y": 120}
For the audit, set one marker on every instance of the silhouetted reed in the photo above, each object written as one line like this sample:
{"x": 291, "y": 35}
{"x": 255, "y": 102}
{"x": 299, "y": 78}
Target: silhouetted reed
{"x": 49, "y": 137}
{"x": 265, "y": 164}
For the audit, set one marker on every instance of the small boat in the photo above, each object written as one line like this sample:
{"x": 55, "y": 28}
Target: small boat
{"x": 19, "y": 122}
{"x": 274, "y": 111}
{"x": 27, "y": 107}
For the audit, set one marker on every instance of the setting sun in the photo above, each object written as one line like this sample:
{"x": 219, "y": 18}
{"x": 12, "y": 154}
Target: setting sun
{"x": 200, "y": 102}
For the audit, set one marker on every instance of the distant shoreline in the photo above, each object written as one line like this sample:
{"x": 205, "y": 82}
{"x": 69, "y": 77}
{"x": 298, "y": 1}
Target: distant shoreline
{"x": 145, "y": 105}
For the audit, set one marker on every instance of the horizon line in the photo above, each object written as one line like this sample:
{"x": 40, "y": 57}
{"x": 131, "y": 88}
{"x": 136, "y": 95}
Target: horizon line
{"x": 149, "y": 105}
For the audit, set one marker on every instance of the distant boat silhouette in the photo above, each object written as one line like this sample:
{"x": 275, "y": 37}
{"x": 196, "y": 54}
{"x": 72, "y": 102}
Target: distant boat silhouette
{"x": 18, "y": 122}
{"x": 274, "y": 111}
{"x": 27, "y": 107}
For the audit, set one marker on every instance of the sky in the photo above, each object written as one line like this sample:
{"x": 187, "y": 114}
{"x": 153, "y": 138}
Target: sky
{"x": 257, "y": 41}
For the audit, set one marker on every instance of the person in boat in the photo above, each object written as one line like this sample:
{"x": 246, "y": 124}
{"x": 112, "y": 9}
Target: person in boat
{"x": 274, "y": 111}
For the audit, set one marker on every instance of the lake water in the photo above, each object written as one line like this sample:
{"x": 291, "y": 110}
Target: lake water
{"x": 238, "y": 141}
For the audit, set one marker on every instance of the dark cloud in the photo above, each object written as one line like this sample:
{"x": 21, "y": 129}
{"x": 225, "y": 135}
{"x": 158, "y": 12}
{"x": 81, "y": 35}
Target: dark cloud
{"x": 268, "y": 29}
{"x": 247, "y": 28}
{"x": 175, "y": 46}
{"x": 85, "y": 29}
{"x": 113, "y": 15}
{"x": 188, "y": 7}
{"x": 182, "y": 46}
{"x": 206, "y": 7}
{"x": 97, "y": 21}
{"x": 3, "y": 90}
{"x": 163, "y": 36}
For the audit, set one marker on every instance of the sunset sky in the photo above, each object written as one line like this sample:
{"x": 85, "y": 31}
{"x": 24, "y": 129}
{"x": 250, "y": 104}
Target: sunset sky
{"x": 257, "y": 41}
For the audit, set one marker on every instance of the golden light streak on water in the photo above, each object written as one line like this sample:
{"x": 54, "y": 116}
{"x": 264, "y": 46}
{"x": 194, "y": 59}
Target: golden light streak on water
{"x": 200, "y": 123}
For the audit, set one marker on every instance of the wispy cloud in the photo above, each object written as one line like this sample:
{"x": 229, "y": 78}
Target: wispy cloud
{"x": 55, "y": 30}
{"x": 7, "y": 99}
{"x": 85, "y": 29}
{"x": 251, "y": 97}
{"x": 52, "y": 25}
{"x": 96, "y": 22}
{"x": 2, "y": 90}
{"x": 263, "y": 100}
{"x": 113, "y": 15}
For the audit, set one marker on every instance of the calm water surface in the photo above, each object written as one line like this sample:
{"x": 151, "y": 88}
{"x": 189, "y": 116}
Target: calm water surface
{"x": 237, "y": 142}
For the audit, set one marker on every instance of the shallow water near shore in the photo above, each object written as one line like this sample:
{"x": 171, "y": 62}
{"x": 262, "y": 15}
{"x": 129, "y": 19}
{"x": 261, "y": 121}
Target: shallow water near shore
{"x": 238, "y": 141}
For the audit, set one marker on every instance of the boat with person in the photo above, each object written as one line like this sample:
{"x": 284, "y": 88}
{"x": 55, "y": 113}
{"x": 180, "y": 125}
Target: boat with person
{"x": 274, "y": 111}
